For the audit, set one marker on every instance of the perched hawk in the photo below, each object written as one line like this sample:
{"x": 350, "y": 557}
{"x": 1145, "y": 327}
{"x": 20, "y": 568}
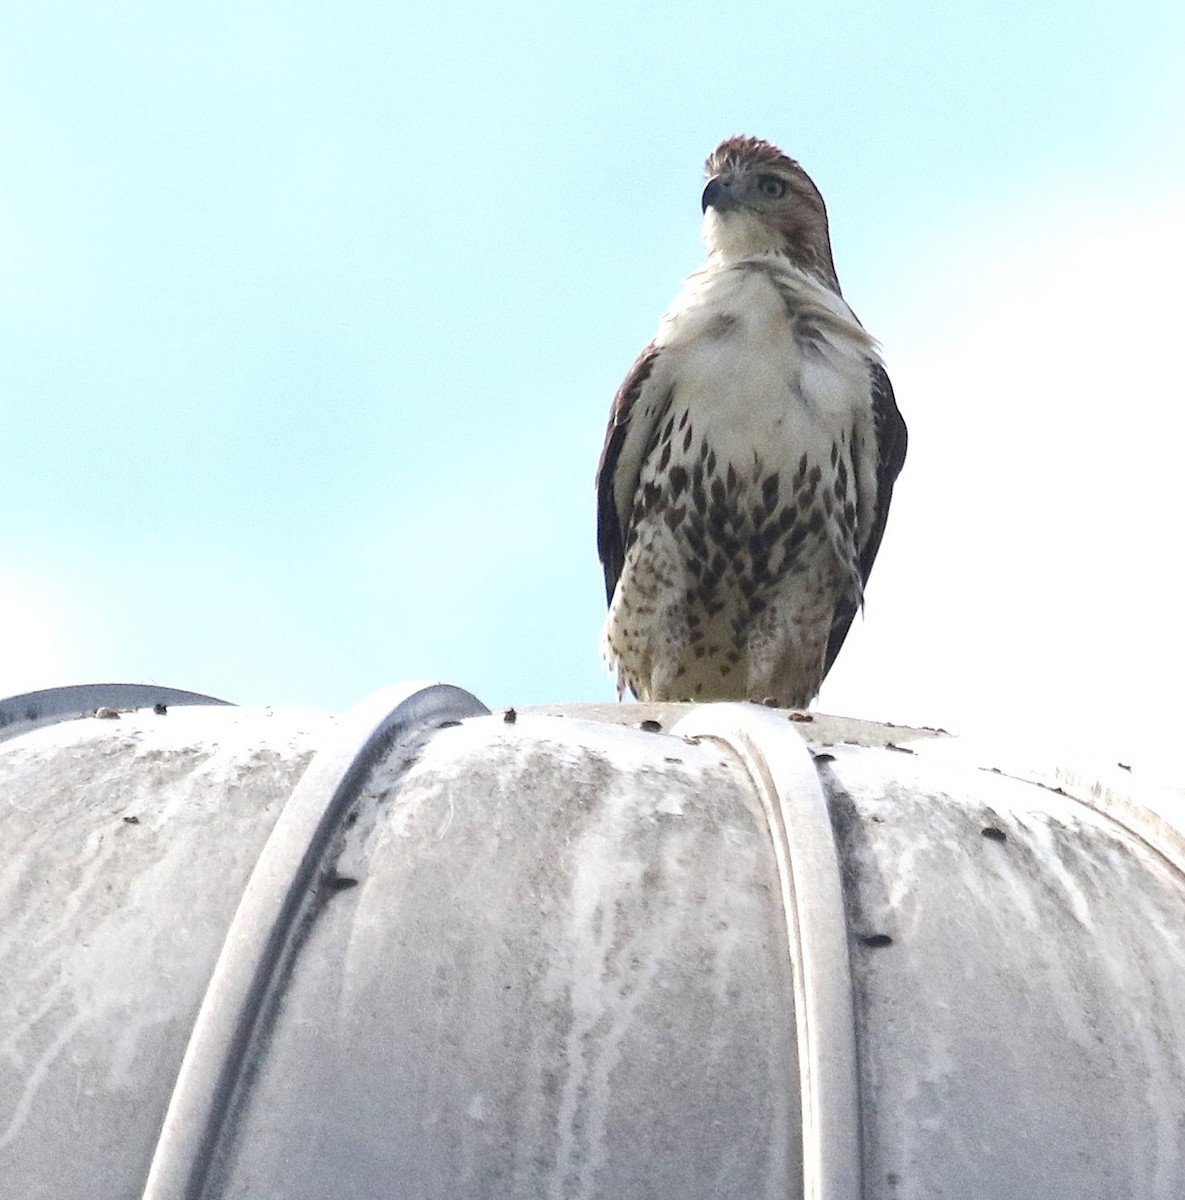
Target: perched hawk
{"x": 750, "y": 458}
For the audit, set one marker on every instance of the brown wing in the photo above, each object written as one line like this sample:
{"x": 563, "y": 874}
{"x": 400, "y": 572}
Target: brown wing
{"x": 892, "y": 438}
{"x": 631, "y": 428}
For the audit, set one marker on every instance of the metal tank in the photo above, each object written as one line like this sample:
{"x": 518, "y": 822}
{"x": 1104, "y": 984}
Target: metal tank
{"x": 425, "y": 950}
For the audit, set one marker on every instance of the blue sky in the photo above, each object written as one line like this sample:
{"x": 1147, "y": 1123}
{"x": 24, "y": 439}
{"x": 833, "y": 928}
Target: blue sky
{"x": 312, "y": 314}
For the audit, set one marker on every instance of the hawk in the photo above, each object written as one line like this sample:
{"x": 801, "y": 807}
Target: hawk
{"x": 750, "y": 457}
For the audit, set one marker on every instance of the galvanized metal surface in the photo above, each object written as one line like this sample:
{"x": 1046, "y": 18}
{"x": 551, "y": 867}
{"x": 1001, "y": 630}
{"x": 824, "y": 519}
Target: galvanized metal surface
{"x": 1019, "y": 966}
{"x": 818, "y": 729}
{"x": 292, "y": 878}
{"x": 545, "y": 955}
{"x": 563, "y": 972}
{"x": 19, "y": 714}
{"x": 782, "y": 772}
{"x": 124, "y": 850}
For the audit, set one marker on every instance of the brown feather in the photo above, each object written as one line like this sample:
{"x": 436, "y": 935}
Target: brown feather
{"x": 611, "y": 531}
{"x": 892, "y": 440}
{"x": 803, "y": 223}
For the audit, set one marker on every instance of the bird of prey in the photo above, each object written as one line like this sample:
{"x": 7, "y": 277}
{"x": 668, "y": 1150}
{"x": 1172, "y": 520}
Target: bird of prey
{"x": 750, "y": 457}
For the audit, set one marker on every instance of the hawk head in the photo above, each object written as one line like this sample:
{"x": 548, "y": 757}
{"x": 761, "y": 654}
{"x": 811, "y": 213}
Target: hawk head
{"x": 759, "y": 201}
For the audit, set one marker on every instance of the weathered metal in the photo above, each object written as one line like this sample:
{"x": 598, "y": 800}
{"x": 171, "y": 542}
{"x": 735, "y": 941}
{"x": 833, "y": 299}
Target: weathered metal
{"x": 423, "y": 950}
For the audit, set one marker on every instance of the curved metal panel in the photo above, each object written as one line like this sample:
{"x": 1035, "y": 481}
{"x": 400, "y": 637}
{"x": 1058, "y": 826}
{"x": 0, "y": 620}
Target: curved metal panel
{"x": 524, "y": 955}
{"x": 1019, "y": 967}
{"x": 124, "y": 848}
{"x": 783, "y": 772}
{"x": 268, "y": 921}
{"x": 18, "y": 714}
{"x": 562, "y": 973}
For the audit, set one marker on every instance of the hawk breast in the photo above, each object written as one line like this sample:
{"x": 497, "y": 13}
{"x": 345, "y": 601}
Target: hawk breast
{"x": 742, "y": 524}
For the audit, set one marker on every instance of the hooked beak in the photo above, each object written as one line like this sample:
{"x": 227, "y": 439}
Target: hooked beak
{"x": 718, "y": 194}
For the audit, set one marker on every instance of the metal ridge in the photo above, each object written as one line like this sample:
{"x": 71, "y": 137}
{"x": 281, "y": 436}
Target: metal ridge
{"x": 257, "y": 943}
{"x": 30, "y": 710}
{"x": 780, "y": 764}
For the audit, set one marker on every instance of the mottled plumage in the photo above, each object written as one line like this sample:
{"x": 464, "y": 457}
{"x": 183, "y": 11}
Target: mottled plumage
{"x": 750, "y": 457}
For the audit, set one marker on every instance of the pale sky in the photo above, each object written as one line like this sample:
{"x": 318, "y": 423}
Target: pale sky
{"x": 312, "y": 315}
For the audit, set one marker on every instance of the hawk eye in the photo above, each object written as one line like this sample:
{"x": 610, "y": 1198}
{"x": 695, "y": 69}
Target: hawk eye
{"x": 771, "y": 186}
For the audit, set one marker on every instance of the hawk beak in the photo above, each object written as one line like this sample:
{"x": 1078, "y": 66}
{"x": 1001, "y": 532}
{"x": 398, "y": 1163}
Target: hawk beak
{"x": 718, "y": 194}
